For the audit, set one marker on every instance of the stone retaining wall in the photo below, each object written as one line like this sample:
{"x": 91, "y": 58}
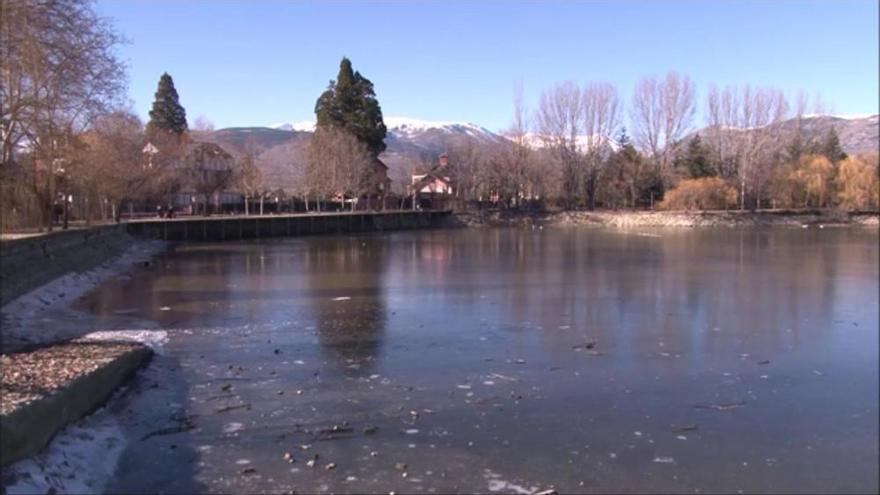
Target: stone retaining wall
{"x": 28, "y": 263}
{"x": 220, "y": 228}
{"x": 45, "y": 390}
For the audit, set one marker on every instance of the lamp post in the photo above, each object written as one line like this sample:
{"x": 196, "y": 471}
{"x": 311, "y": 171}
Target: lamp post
{"x": 59, "y": 174}
{"x": 150, "y": 150}
{"x": 68, "y": 200}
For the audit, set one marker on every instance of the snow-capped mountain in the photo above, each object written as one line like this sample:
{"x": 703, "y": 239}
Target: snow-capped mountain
{"x": 408, "y": 127}
{"x": 302, "y": 126}
{"x": 584, "y": 143}
{"x": 405, "y": 127}
{"x": 411, "y": 143}
{"x": 414, "y": 144}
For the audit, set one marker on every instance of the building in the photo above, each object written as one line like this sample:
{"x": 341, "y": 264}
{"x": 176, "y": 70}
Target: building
{"x": 434, "y": 189}
{"x": 379, "y": 185}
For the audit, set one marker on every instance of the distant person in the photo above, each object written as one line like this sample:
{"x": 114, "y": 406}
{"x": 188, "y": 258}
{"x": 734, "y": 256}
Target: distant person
{"x": 159, "y": 211}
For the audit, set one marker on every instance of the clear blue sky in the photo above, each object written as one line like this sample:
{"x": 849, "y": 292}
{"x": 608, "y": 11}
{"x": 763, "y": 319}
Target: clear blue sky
{"x": 255, "y": 63}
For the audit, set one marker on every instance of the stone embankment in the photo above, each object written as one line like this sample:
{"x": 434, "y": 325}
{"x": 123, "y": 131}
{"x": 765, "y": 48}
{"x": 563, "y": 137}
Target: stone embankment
{"x": 28, "y": 263}
{"x": 44, "y": 390}
{"x": 626, "y": 219}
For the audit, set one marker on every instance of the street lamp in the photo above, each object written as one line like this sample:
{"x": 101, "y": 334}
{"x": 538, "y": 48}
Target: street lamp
{"x": 150, "y": 150}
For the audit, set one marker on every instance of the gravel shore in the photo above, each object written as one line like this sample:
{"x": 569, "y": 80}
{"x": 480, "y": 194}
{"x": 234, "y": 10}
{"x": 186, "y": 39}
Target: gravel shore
{"x": 29, "y": 376}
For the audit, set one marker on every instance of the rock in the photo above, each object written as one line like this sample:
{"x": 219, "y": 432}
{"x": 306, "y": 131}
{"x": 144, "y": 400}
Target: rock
{"x": 400, "y": 466}
{"x": 288, "y": 457}
{"x": 225, "y": 387}
{"x": 369, "y": 430}
{"x": 248, "y": 470}
{"x": 685, "y": 428}
{"x": 330, "y": 466}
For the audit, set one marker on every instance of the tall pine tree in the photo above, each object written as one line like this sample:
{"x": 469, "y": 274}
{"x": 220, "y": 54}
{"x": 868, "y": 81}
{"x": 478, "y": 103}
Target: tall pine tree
{"x": 831, "y": 146}
{"x": 167, "y": 115}
{"x": 349, "y": 103}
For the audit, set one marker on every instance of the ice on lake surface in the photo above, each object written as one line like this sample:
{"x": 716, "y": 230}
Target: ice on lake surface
{"x": 584, "y": 360}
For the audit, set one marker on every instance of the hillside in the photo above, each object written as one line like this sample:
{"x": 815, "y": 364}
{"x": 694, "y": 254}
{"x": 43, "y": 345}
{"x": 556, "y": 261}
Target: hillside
{"x": 856, "y": 134}
{"x": 282, "y": 152}
{"x": 411, "y": 143}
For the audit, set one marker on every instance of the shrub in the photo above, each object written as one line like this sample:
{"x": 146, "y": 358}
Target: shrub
{"x": 816, "y": 174}
{"x": 709, "y": 193}
{"x": 857, "y": 185}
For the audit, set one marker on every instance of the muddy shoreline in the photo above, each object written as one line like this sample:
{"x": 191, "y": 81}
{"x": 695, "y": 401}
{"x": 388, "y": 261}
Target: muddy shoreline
{"x": 44, "y": 315}
{"x": 624, "y": 219}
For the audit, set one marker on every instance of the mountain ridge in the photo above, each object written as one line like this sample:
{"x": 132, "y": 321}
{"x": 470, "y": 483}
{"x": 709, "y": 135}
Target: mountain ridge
{"x": 413, "y": 143}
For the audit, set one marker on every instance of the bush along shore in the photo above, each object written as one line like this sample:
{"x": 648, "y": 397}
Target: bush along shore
{"x": 620, "y": 218}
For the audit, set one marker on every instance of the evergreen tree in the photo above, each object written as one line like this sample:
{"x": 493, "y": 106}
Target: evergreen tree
{"x": 696, "y": 160}
{"x": 831, "y": 146}
{"x": 349, "y": 103}
{"x": 167, "y": 114}
{"x": 623, "y": 139}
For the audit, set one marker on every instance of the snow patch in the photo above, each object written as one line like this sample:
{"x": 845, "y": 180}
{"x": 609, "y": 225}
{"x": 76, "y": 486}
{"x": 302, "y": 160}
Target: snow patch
{"x": 154, "y": 339}
{"x": 302, "y": 125}
{"x": 80, "y": 459}
{"x": 497, "y": 485}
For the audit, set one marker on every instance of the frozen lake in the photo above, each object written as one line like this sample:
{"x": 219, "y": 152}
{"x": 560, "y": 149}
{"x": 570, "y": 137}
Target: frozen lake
{"x": 587, "y": 360}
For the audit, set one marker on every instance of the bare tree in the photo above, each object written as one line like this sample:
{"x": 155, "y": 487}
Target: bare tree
{"x": 560, "y": 124}
{"x": 53, "y": 82}
{"x": 749, "y": 125}
{"x": 250, "y": 179}
{"x": 210, "y": 170}
{"x": 339, "y": 164}
{"x": 465, "y": 164}
{"x": 722, "y": 107}
{"x": 601, "y": 114}
{"x": 518, "y": 162}
{"x": 116, "y": 169}
{"x": 662, "y": 111}
{"x": 203, "y": 124}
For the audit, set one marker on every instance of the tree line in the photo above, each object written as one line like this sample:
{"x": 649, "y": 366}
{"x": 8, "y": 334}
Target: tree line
{"x": 69, "y": 146}
{"x": 575, "y": 151}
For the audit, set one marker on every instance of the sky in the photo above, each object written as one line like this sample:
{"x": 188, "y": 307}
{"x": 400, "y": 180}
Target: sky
{"x": 252, "y": 63}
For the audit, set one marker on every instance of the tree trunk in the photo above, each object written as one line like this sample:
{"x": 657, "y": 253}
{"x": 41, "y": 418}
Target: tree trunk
{"x": 66, "y": 212}
{"x": 261, "y": 204}
{"x": 246, "y": 205}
